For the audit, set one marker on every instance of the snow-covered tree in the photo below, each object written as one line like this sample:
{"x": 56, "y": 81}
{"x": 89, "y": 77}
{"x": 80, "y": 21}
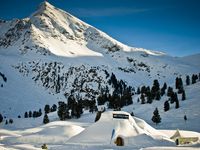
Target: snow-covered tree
{"x": 156, "y": 117}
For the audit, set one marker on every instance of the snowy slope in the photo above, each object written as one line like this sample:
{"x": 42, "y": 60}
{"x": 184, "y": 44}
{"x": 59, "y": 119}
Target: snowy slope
{"x": 174, "y": 118}
{"x": 52, "y": 44}
{"x": 191, "y": 59}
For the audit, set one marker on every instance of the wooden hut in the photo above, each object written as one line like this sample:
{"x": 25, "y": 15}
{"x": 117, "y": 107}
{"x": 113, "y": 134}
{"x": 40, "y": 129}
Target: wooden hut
{"x": 181, "y": 139}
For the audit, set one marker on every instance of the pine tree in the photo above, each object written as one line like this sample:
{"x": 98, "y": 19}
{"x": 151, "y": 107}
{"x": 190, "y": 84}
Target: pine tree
{"x": 46, "y": 119}
{"x": 180, "y": 83}
{"x": 185, "y": 117}
{"x": 156, "y": 84}
{"x": 177, "y": 83}
{"x": 101, "y": 99}
{"x": 113, "y": 81}
{"x": 79, "y": 109}
{"x": 10, "y": 121}
{"x": 155, "y": 89}
{"x": 180, "y": 90}
{"x": 143, "y": 90}
{"x": 183, "y": 95}
{"x": 156, "y": 117}
{"x": 149, "y": 98}
{"x": 26, "y": 114}
{"x": 30, "y": 114}
{"x": 172, "y": 98}
{"x": 63, "y": 111}
{"x": 187, "y": 80}
{"x": 98, "y": 116}
{"x": 194, "y": 78}
{"x": 175, "y": 96}
{"x": 58, "y": 85}
{"x": 166, "y": 106}
{"x": 177, "y": 104}
{"x": 53, "y": 108}
{"x": 199, "y": 76}
{"x": 34, "y": 114}
{"x": 158, "y": 96}
{"x": 1, "y": 118}
{"x": 40, "y": 112}
{"x": 138, "y": 90}
{"x": 169, "y": 91}
{"x": 165, "y": 85}
{"x": 142, "y": 99}
{"x": 162, "y": 92}
{"x": 47, "y": 109}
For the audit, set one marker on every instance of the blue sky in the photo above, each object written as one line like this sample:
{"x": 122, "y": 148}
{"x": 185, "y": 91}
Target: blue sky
{"x": 171, "y": 26}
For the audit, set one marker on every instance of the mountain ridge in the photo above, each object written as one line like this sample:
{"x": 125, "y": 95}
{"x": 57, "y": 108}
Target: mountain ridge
{"x": 69, "y": 26}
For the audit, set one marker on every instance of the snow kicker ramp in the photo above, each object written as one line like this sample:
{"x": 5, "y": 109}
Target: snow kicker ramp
{"x": 107, "y": 129}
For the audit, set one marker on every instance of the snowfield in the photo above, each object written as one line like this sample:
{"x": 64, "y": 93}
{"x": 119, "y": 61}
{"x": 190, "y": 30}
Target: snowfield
{"x": 174, "y": 118}
{"x": 137, "y": 134}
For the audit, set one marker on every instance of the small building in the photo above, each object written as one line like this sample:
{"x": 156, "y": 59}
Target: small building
{"x": 181, "y": 139}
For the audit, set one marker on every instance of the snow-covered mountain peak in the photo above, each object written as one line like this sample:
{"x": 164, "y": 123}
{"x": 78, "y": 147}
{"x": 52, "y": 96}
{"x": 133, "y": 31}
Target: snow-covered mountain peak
{"x": 50, "y": 30}
{"x": 45, "y": 5}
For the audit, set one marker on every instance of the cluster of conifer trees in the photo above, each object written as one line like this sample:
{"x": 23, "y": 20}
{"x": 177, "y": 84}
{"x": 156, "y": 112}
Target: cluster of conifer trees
{"x": 149, "y": 94}
{"x": 121, "y": 95}
{"x": 173, "y": 96}
{"x": 72, "y": 109}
